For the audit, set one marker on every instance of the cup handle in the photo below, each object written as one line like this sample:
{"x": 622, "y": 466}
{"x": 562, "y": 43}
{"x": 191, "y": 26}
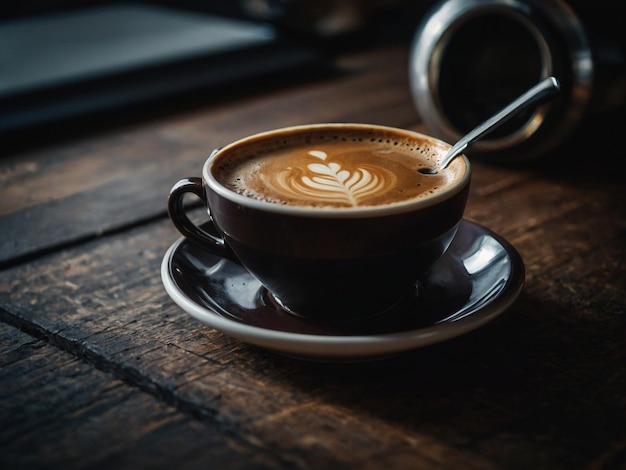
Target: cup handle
{"x": 181, "y": 221}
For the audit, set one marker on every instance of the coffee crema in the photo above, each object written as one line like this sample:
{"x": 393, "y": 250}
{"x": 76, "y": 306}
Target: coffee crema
{"x": 336, "y": 171}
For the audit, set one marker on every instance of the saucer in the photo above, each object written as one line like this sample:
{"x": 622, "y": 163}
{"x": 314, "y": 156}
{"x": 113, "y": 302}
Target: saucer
{"x": 476, "y": 280}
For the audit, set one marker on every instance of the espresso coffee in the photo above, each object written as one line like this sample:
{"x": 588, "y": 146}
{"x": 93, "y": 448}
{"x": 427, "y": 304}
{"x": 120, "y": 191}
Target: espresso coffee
{"x": 336, "y": 220}
{"x": 349, "y": 168}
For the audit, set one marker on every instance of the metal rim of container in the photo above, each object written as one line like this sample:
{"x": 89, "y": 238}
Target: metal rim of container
{"x": 433, "y": 36}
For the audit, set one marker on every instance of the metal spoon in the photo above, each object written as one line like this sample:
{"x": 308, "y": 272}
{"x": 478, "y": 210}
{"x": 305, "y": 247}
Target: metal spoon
{"x": 544, "y": 90}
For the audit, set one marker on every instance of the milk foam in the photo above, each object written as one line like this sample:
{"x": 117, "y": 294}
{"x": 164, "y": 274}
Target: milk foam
{"x": 335, "y": 171}
{"x": 331, "y": 181}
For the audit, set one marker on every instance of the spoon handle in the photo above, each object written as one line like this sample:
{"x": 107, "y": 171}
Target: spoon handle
{"x": 543, "y": 90}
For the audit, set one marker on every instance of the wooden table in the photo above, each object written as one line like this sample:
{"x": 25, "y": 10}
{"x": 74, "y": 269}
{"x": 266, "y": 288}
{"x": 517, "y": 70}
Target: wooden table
{"x": 100, "y": 369}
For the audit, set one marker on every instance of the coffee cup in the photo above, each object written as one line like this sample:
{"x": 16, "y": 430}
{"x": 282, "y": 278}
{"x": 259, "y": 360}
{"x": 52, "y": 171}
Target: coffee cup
{"x": 335, "y": 220}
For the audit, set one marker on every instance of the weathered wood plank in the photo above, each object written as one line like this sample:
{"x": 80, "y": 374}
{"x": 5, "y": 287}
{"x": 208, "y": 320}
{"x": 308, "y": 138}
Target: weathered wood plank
{"x": 541, "y": 387}
{"x": 510, "y": 392}
{"x": 83, "y": 188}
{"x": 58, "y": 411}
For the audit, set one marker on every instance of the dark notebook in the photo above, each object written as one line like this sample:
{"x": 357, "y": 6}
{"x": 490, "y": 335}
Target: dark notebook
{"x": 69, "y": 64}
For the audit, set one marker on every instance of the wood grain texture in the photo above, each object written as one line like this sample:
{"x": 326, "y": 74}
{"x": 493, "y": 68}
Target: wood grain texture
{"x": 97, "y": 351}
{"x": 58, "y": 411}
{"x": 541, "y": 386}
{"x": 90, "y": 186}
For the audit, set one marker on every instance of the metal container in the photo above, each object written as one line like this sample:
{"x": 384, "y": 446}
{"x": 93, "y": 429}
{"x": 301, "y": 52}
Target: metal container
{"x": 469, "y": 58}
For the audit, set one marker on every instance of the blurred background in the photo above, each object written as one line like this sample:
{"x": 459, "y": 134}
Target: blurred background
{"x": 61, "y": 59}
{"x": 65, "y": 59}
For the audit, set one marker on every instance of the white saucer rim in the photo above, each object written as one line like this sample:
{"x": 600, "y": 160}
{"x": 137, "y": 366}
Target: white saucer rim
{"x": 343, "y": 346}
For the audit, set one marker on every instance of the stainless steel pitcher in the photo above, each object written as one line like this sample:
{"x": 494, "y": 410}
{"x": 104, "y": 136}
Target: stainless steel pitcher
{"x": 470, "y": 57}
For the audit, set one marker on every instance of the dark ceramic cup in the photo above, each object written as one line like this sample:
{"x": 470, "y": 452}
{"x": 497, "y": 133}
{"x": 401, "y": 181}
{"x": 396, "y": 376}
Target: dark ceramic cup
{"x": 335, "y": 220}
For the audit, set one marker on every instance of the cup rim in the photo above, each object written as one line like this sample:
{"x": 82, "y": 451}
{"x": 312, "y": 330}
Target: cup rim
{"x": 325, "y": 212}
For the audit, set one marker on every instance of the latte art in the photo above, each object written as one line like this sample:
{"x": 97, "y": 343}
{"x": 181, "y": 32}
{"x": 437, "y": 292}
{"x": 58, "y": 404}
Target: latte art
{"x": 335, "y": 170}
{"x": 332, "y": 181}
